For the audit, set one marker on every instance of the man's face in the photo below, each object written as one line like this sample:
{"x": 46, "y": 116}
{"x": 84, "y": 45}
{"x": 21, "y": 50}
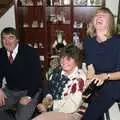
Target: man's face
{"x": 9, "y": 41}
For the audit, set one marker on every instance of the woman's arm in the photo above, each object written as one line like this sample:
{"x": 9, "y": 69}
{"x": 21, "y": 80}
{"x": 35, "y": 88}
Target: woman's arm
{"x": 113, "y": 76}
{"x": 108, "y": 76}
{"x": 101, "y": 78}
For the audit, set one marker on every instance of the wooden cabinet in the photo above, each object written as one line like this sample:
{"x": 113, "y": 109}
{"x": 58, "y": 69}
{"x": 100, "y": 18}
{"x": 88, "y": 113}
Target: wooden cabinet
{"x": 31, "y": 23}
{"x": 44, "y": 23}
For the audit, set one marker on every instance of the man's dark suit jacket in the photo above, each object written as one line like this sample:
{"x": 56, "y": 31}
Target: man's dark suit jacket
{"x": 24, "y": 73}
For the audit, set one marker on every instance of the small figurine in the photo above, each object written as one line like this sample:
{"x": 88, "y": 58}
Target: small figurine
{"x": 28, "y": 3}
{"x": 35, "y": 24}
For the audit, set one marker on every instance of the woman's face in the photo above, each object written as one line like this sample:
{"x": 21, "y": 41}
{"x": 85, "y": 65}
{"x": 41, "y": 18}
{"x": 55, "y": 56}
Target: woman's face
{"x": 68, "y": 64}
{"x": 101, "y": 20}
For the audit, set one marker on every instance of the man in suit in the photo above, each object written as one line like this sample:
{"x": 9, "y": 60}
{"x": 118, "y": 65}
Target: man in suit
{"x": 20, "y": 66}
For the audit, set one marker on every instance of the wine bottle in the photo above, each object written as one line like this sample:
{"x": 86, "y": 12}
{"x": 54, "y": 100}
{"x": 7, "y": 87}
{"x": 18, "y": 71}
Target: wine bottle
{"x": 90, "y": 89}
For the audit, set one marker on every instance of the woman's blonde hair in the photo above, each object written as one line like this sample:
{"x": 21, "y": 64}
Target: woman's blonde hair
{"x": 111, "y": 24}
{"x": 90, "y": 29}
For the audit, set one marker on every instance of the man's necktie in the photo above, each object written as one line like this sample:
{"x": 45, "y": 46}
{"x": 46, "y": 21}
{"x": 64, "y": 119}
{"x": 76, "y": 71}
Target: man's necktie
{"x": 10, "y": 57}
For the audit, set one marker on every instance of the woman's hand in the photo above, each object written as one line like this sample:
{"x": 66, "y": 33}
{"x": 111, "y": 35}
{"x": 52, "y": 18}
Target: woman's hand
{"x": 3, "y": 97}
{"x": 25, "y": 100}
{"x": 100, "y": 78}
{"x": 90, "y": 72}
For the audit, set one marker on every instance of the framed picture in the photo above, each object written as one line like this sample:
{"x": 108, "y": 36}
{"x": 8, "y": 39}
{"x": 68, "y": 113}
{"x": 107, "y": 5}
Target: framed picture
{"x": 118, "y": 20}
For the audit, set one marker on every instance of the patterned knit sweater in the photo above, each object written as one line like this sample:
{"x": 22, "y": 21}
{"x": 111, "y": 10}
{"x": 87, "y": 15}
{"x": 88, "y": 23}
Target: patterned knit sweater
{"x": 66, "y": 91}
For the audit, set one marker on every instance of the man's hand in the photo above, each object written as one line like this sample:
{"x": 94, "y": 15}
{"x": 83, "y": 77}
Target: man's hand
{"x": 47, "y": 102}
{"x": 25, "y": 100}
{"x": 41, "y": 108}
{"x": 3, "y": 97}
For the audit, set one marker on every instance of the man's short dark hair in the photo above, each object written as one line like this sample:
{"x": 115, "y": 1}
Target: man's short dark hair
{"x": 10, "y": 30}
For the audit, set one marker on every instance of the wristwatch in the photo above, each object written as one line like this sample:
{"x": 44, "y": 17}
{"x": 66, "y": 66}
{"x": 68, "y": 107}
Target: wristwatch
{"x": 108, "y": 76}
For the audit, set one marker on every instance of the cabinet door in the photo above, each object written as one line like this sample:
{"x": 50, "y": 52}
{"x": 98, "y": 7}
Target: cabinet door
{"x": 83, "y": 10}
{"x": 30, "y": 21}
{"x": 59, "y": 20}
{"x": 82, "y": 16}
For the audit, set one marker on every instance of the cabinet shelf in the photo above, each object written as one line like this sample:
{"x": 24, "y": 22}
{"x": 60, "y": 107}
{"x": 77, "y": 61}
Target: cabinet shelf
{"x": 33, "y": 28}
{"x": 86, "y": 5}
{"x": 59, "y": 6}
{"x": 59, "y": 23}
{"x": 30, "y": 6}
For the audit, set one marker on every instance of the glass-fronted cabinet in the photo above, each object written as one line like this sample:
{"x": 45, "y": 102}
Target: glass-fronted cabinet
{"x": 43, "y": 24}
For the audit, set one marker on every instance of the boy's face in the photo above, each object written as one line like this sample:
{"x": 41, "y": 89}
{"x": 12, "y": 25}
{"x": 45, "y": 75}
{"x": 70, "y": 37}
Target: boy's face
{"x": 9, "y": 41}
{"x": 68, "y": 64}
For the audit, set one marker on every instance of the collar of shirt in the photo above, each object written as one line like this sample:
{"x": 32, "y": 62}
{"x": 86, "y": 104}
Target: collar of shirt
{"x": 72, "y": 75}
{"x": 15, "y": 51}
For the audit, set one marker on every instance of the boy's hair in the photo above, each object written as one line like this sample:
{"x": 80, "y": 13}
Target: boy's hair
{"x": 72, "y": 51}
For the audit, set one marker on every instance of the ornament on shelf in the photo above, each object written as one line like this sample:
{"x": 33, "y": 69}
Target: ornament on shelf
{"x": 75, "y": 24}
{"x": 77, "y": 2}
{"x": 78, "y": 24}
{"x": 56, "y": 2}
{"x": 52, "y": 18}
{"x": 98, "y": 2}
{"x": 35, "y": 45}
{"x": 28, "y": 3}
{"x": 89, "y": 2}
{"x": 25, "y": 25}
{"x": 22, "y": 2}
{"x": 83, "y": 2}
{"x": 41, "y": 45}
{"x": 30, "y": 44}
{"x": 60, "y": 2}
{"x": 60, "y": 18}
{"x": 42, "y": 58}
{"x": 39, "y": 3}
{"x": 35, "y": 24}
{"x": 59, "y": 36}
{"x": 66, "y": 2}
{"x": 60, "y": 42}
{"x": 62, "y": 14}
{"x": 19, "y": 3}
{"x": 92, "y": 2}
{"x": 76, "y": 41}
{"x": 51, "y": 2}
{"x": 41, "y": 24}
